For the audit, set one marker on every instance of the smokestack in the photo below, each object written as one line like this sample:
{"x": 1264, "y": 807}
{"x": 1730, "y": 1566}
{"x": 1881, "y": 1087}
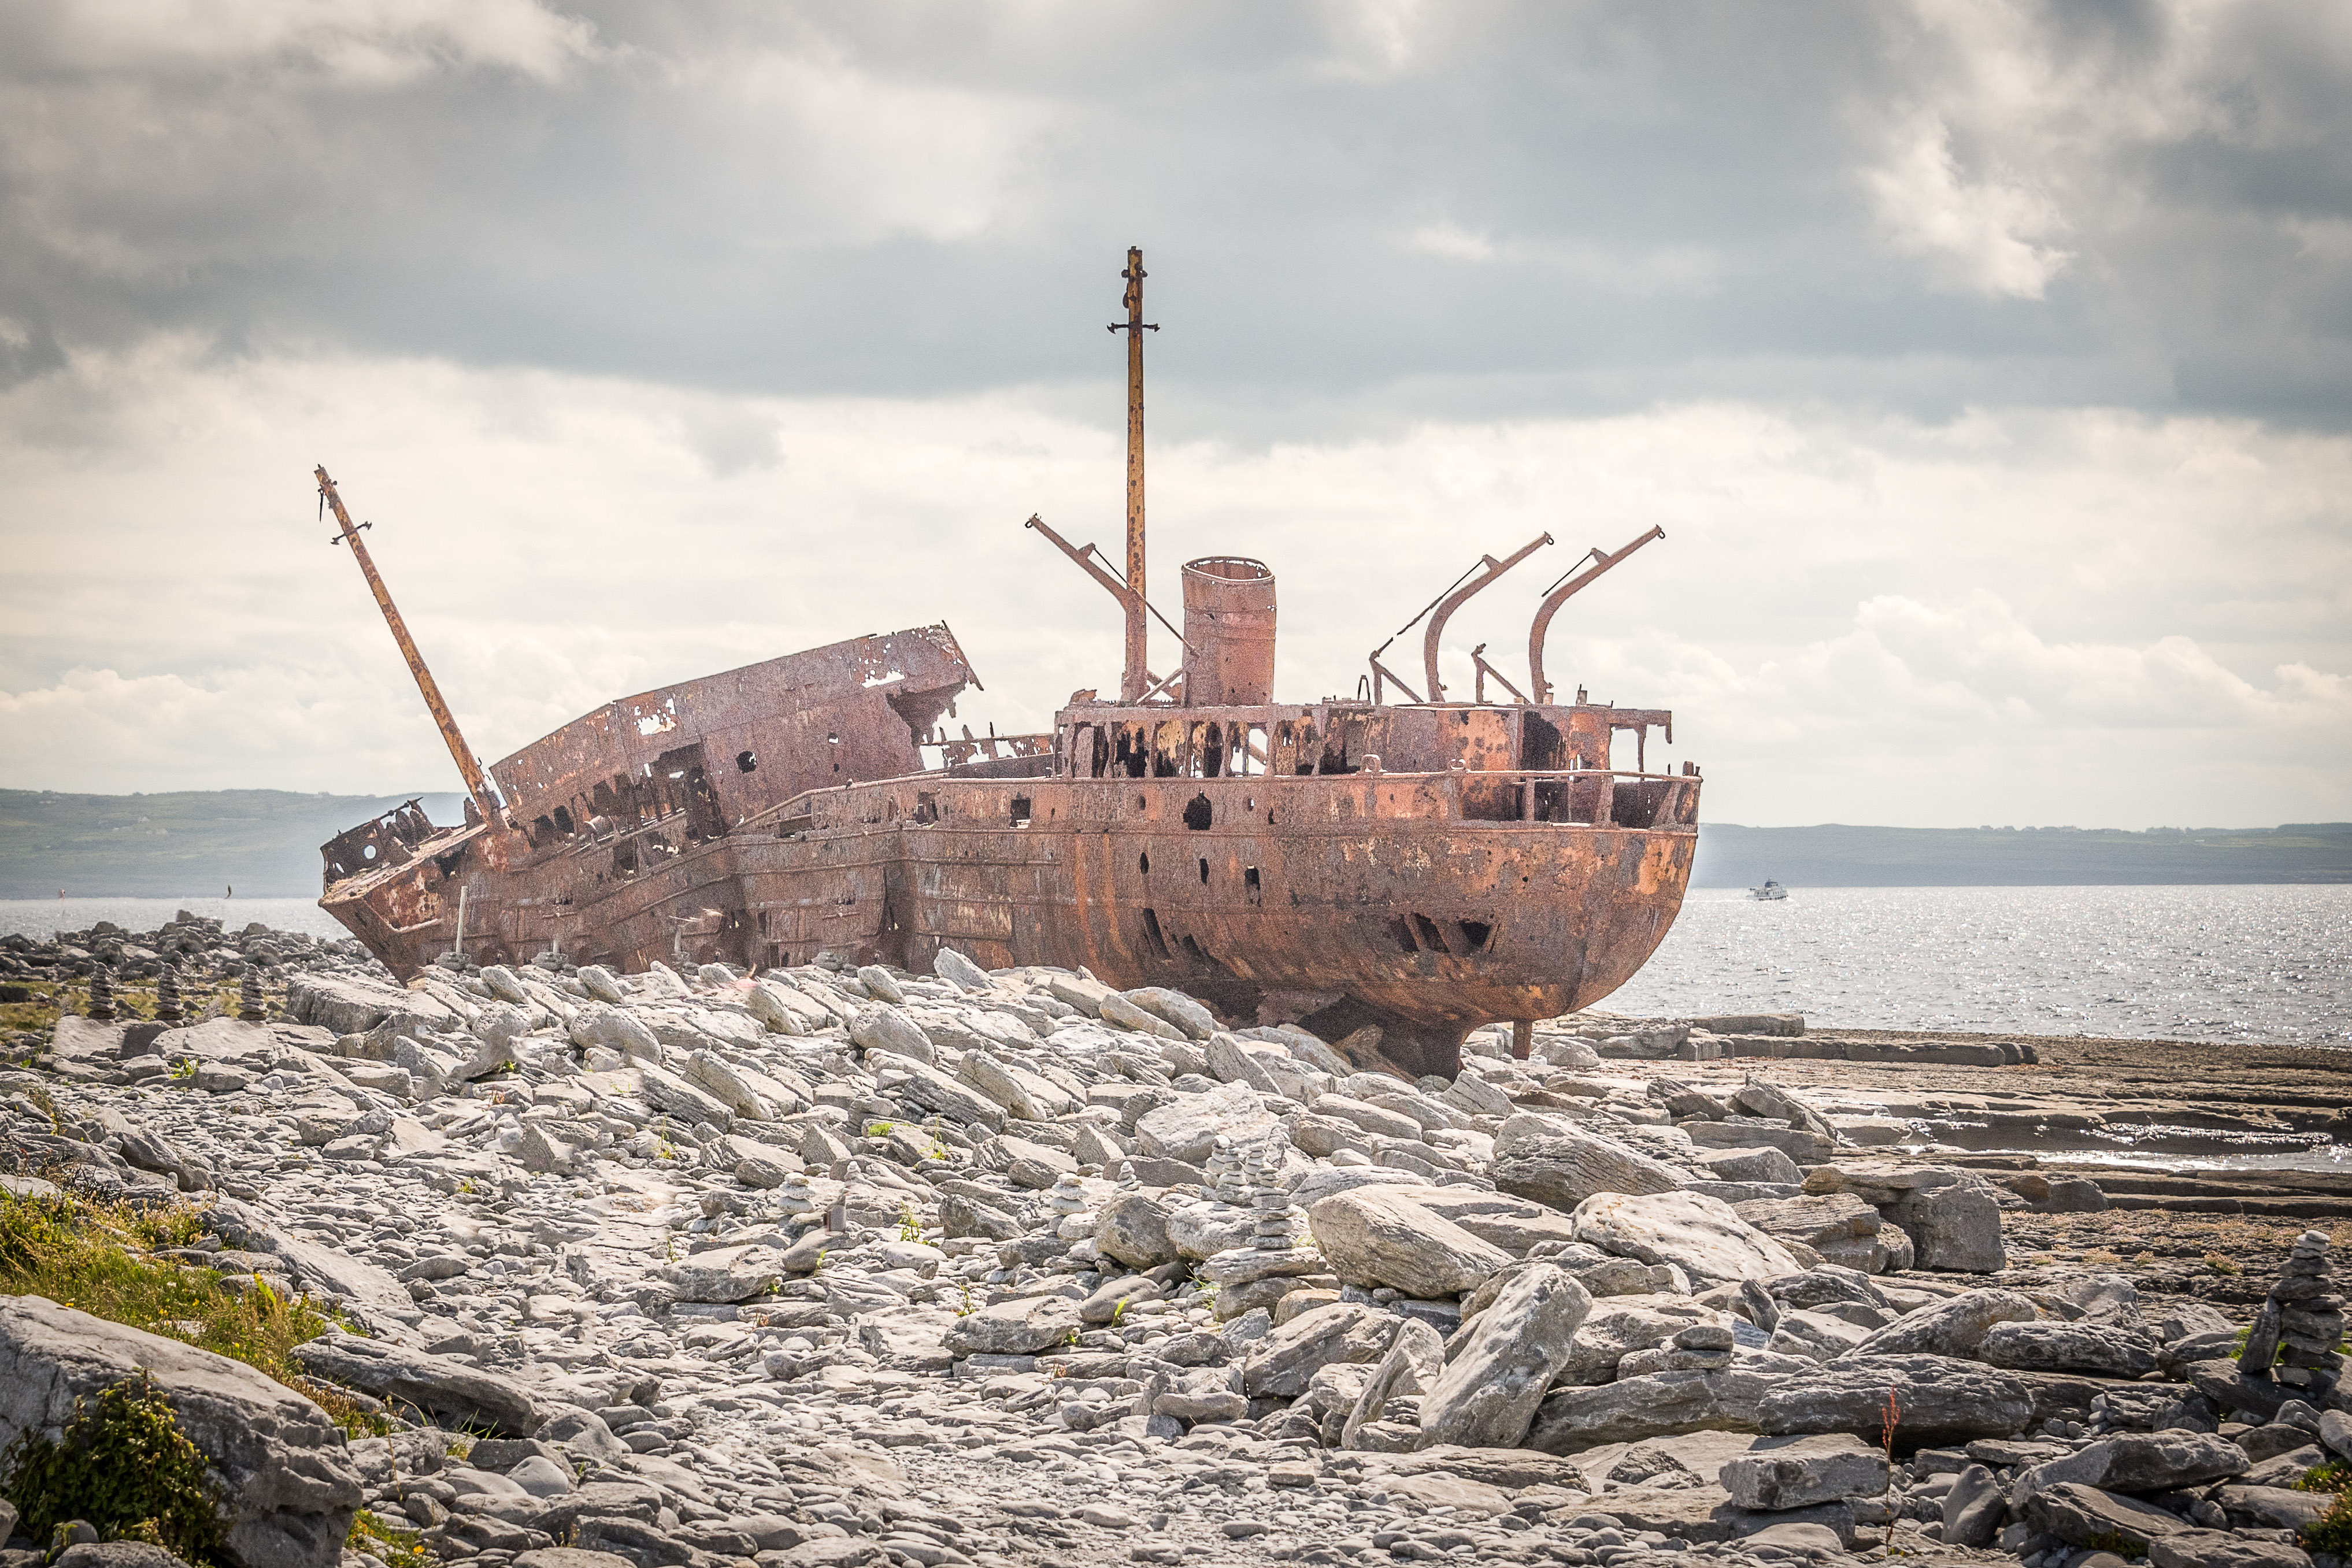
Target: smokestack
{"x": 1229, "y": 628}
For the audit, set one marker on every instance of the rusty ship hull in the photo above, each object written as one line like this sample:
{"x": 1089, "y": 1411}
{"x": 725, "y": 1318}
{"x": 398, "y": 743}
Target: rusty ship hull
{"x": 1427, "y": 902}
{"x": 1426, "y": 865}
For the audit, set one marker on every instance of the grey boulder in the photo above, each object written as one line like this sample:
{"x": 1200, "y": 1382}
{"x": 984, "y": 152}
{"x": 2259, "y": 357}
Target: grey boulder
{"x": 1955, "y": 1326}
{"x": 2083, "y": 1515}
{"x": 1379, "y": 1236}
{"x": 290, "y": 1486}
{"x": 1942, "y": 1400}
{"x": 1187, "y": 1127}
{"x": 2108, "y": 1349}
{"x": 1778, "y": 1473}
{"x": 727, "y": 1274}
{"x": 1409, "y": 1369}
{"x": 1659, "y": 1405}
{"x": 1488, "y": 1398}
{"x": 1133, "y": 1228}
{"x": 1701, "y": 1235}
{"x": 1973, "y": 1509}
{"x": 1021, "y": 1327}
{"x": 1281, "y": 1364}
{"x": 1956, "y": 1228}
{"x": 437, "y": 1384}
{"x": 1562, "y": 1167}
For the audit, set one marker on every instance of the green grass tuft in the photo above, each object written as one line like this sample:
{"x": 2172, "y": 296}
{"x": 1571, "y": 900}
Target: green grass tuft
{"x": 95, "y": 1257}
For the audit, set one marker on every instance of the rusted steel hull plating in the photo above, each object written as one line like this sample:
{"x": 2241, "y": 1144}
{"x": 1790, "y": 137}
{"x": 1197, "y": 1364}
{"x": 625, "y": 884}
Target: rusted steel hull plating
{"x": 1427, "y": 867}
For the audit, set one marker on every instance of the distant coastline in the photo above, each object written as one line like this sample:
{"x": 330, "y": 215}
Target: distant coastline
{"x": 1836, "y": 855}
{"x": 265, "y": 842}
{"x": 184, "y": 845}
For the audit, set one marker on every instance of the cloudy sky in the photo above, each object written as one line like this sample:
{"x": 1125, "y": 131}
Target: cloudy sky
{"x": 1988, "y": 365}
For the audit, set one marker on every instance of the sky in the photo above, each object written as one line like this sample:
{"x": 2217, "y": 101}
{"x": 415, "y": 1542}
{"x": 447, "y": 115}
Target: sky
{"x": 1989, "y": 367}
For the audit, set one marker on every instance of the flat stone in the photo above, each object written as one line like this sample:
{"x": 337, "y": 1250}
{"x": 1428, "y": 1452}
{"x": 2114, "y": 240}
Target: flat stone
{"x": 2082, "y": 1515}
{"x": 1021, "y": 1327}
{"x": 1563, "y": 1167}
{"x": 1955, "y": 1326}
{"x": 1187, "y": 1127}
{"x": 1701, "y": 1235}
{"x": 1381, "y": 1237}
{"x": 727, "y": 1274}
{"x": 1280, "y": 1365}
{"x": 2109, "y": 1349}
{"x": 1787, "y": 1472}
{"x": 2222, "y": 1548}
{"x": 1944, "y": 1400}
{"x": 441, "y": 1386}
{"x": 1660, "y": 1404}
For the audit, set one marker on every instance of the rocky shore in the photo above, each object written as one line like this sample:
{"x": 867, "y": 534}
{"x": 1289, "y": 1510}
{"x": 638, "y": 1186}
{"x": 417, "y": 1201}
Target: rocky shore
{"x": 674, "y": 1270}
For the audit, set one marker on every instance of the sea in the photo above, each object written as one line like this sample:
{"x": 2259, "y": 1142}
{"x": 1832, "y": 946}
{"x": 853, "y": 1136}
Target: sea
{"x": 2263, "y": 964}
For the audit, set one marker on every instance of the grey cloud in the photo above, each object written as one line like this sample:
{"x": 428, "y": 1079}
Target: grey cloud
{"x": 1349, "y": 219}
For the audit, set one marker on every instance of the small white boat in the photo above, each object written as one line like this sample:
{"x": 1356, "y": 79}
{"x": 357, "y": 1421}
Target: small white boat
{"x": 1770, "y": 890}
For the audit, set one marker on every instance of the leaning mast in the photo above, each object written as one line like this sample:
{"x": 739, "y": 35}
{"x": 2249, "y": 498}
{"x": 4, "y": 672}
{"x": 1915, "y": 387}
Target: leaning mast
{"x": 477, "y": 782}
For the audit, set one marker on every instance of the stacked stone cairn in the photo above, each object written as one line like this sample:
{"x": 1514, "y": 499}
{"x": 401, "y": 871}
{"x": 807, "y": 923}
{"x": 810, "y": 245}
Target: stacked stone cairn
{"x": 167, "y": 995}
{"x": 2294, "y": 1335}
{"x": 1274, "y": 1231}
{"x": 102, "y": 991}
{"x": 250, "y": 1007}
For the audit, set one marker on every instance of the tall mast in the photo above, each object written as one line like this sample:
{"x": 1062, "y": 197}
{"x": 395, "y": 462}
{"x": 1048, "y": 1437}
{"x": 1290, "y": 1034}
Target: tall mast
{"x": 1136, "y": 676}
{"x": 477, "y": 785}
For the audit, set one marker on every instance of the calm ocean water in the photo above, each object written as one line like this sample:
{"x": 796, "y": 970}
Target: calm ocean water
{"x": 42, "y": 918}
{"x": 2240, "y": 962}
{"x": 2268, "y": 964}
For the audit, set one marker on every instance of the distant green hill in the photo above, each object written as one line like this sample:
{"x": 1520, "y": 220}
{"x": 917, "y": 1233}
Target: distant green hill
{"x": 264, "y": 842}
{"x": 1835, "y": 855}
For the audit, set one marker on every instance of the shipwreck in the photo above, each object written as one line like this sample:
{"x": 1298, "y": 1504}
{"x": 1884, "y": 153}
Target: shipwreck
{"x": 1402, "y": 859}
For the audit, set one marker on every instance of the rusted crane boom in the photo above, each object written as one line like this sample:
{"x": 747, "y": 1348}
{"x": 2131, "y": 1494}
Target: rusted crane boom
{"x": 1492, "y": 569}
{"x": 460, "y": 753}
{"x": 1560, "y": 594}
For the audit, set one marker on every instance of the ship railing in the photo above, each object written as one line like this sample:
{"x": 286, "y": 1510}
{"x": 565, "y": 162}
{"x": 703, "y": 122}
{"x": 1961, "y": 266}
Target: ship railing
{"x": 1580, "y": 797}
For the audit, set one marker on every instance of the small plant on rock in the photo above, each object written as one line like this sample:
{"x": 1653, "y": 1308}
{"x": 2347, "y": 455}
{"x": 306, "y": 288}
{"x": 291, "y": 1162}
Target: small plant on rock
{"x": 123, "y": 1465}
{"x": 910, "y": 1229}
{"x": 393, "y": 1546}
{"x": 2331, "y": 1531}
{"x": 1890, "y": 1416}
{"x": 2335, "y": 1476}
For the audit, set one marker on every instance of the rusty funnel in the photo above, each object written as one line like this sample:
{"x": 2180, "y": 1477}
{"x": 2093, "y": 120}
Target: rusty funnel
{"x": 1228, "y": 631}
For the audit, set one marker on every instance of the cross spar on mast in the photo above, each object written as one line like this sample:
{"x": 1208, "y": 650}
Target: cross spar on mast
{"x": 477, "y": 782}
